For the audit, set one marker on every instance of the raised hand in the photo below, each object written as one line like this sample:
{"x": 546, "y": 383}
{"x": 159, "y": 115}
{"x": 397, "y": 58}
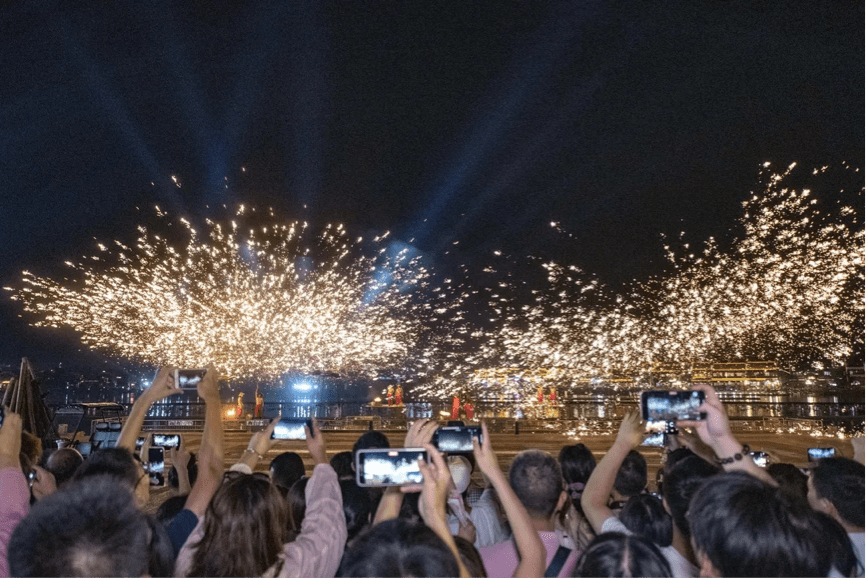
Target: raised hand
{"x": 632, "y": 430}
{"x": 316, "y": 443}
{"x": 420, "y": 433}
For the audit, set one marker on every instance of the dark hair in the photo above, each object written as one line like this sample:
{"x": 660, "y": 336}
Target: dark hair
{"x": 840, "y": 480}
{"x": 191, "y": 472}
{"x": 577, "y": 463}
{"x": 632, "y": 475}
{"x": 296, "y": 503}
{"x": 398, "y": 548}
{"x": 614, "y": 554}
{"x": 286, "y": 469}
{"x": 90, "y": 528}
{"x": 343, "y": 465}
{"x": 471, "y": 557}
{"x": 118, "y": 462}
{"x": 836, "y": 539}
{"x": 245, "y": 527}
{"x": 370, "y": 440}
{"x": 790, "y": 479}
{"x": 62, "y": 463}
{"x": 646, "y": 517}
{"x": 681, "y": 482}
{"x": 537, "y": 480}
{"x": 356, "y": 507}
{"x": 169, "y": 509}
{"x": 747, "y": 528}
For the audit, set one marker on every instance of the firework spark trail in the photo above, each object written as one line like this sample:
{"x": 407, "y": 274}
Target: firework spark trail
{"x": 790, "y": 290}
{"x": 258, "y": 302}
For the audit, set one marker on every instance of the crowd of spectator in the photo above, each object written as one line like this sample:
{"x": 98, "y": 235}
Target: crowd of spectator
{"x": 715, "y": 511}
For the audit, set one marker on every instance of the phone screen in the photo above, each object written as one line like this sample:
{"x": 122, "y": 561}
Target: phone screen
{"x": 156, "y": 466}
{"x": 671, "y": 406}
{"x": 166, "y": 440}
{"x": 761, "y": 458}
{"x": 291, "y": 429}
{"x": 188, "y": 378}
{"x": 389, "y": 467}
{"x": 816, "y": 454}
{"x": 456, "y": 439}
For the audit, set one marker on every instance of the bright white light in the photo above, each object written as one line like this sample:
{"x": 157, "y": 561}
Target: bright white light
{"x": 302, "y": 386}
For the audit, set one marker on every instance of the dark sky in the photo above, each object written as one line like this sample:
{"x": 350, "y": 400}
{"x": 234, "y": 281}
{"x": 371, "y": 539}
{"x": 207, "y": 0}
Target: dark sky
{"x": 489, "y": 119}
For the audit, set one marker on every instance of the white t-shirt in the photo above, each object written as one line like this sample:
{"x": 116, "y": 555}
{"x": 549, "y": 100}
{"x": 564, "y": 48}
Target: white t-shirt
{"x": 680, "y": 565}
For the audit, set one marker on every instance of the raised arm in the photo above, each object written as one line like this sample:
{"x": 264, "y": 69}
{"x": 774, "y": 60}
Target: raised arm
{"x": 532, "y": 554}
{"x": 161, "y": 388}
{"x": 600, "y": 483}
{"x": 715, "y": 431}
{"x": 437, "y": 480}
{"x": 210, "y": 455}
{"x": 318, "y": 548}
{"x": 15, "y": 500}
{"x": 419, "y": 434}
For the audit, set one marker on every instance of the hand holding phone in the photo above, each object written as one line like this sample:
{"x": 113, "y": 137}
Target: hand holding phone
{"x": 671, "y": 406}
{"x": 156, "y": 466}
{"x": 389, "y": 467}
{"x": 291, "y": 429}
{"x": 456, "y": 439}
{"x": 187, "y": 379}
{"x": 166, "y": 440}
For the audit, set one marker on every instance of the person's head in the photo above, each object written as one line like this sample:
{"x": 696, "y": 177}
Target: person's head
{"x": 89, "y": 528}
{"x": 842, "y": 554}
{"x": 681, "y": 481}
{"x": 398, "y": 548}
{"x": 342, "y": 464}
{"x": 646, "y": 517}
{"x": 286, "y": 469}
{"x": 632, "y": 475}
{"x": 613, "y": 554}
{"x": 461, "y": 472}
{"x": 191, "y": 472}
{"x": 790, "y": 479}
{"x": 357, "y": 507}
{"x": 63, "y": 463}
{"x": 371, "y": 440}
{"x": 577, "y": 463}
{"x": 537, "y": 480}
{"x": 118, "y": 462}
{"x": 169, "y": 509}
{"x": 245, "y": 527}
{"x": 296, "y": 501}
{"x": 740, "y": 526}
{"x": 836, "y": 488}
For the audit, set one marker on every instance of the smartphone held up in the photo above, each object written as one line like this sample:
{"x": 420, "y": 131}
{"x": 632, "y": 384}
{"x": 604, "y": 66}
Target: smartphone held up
{"x": 672, "y": 406}
{"x": 389, "y": 467}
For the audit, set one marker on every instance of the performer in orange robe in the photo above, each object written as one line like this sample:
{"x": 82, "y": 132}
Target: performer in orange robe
{"x": 455, "y": 408}
{"x": 470, "y": 411}
{"x": 398, "y": 395}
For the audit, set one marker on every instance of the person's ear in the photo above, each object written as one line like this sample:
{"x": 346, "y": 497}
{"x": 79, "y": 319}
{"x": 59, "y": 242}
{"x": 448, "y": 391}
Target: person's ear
{"x": 707, "y": 568}
{"x": 563, "y": 496}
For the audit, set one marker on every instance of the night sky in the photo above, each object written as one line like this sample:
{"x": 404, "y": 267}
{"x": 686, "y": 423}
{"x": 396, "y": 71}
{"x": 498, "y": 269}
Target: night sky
{"x": 471, "y": 121}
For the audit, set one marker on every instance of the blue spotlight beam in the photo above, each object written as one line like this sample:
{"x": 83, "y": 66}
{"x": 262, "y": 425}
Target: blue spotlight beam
{"x": 530, "y": 76}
